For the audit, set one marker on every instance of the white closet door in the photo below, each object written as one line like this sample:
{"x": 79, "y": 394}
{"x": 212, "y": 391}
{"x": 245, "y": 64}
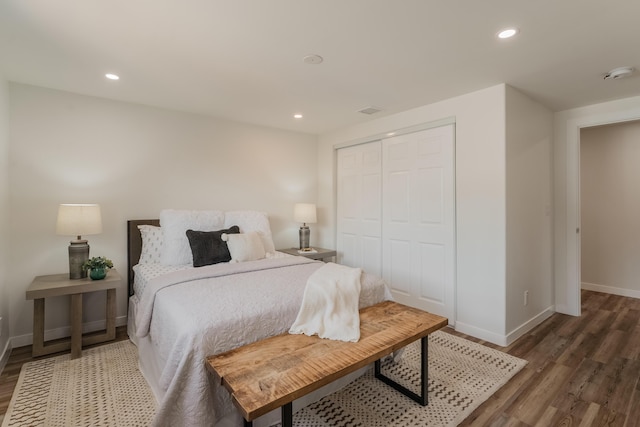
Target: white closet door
{"x": 359, "y": 206}
{"x": 419, "y": 219}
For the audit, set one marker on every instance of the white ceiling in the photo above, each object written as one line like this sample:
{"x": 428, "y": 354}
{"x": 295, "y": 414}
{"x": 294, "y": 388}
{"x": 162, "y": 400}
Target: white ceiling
{"x": 242, "y": 59}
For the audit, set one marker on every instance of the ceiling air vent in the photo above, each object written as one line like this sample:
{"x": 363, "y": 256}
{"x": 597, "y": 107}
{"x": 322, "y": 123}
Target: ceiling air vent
{"x": 370, "y": 110}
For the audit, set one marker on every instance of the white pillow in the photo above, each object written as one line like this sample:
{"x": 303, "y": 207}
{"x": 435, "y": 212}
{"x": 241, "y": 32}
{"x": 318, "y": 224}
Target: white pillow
{"x": 244, "y": 247}
{"x": 151, "y": 244}
{"x": 175, "y": 223}
{"x": 252, "y": 221}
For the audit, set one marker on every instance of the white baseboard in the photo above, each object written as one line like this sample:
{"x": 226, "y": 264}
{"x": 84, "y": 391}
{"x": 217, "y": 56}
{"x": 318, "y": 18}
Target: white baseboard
{"x": 505, "y": 340}
{"x": 53, "y": 334}
{"x": 632, "y": 293}
{"x": 482, "y": 334}
{"x": 4, "y": 357}
{"x": 529, "y": 324}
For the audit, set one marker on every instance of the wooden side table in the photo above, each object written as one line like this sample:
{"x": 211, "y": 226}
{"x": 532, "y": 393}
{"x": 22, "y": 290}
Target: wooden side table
{"x": 58, "y": 285}
{"x": 320, "y": 253}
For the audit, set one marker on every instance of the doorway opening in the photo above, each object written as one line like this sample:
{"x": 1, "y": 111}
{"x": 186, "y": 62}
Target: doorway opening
{"x": 609, "y": 208}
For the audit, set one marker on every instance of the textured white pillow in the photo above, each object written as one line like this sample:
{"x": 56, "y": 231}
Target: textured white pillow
{"x": 252, "y": 221}
{"x": 244, "y": 247}
{"x": 175, "y": 223}
{"x": 151, "y": 244}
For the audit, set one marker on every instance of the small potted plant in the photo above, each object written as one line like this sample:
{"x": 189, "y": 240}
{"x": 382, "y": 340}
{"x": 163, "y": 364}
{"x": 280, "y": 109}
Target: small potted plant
{"x": 98, "y": 267}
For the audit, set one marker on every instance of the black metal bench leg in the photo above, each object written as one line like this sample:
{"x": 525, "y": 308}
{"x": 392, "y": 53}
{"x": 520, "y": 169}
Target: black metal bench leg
{"x": 287, "y": 415}
{"x": 424, "y": 364}
{"x": 248, "y": 423}
{"x": 424, "y": 375}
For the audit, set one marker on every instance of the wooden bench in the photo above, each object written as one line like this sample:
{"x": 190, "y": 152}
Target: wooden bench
{"x": 272, "y": 373}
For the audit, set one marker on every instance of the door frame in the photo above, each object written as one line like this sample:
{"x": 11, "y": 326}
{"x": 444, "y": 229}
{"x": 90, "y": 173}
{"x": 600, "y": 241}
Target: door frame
{"x": 571, "y": 292}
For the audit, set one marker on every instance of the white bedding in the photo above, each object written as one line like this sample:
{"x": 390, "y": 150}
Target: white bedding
{"x": 185, "y": 321}
{"x": 146, "y": 272}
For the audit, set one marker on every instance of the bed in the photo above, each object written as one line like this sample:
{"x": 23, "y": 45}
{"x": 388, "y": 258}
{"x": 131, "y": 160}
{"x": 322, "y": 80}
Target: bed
{"x": 179, "y": 314}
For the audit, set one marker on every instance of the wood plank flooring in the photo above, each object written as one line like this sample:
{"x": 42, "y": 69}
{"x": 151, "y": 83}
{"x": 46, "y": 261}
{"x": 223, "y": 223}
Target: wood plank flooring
{"x": 582, "y": 371}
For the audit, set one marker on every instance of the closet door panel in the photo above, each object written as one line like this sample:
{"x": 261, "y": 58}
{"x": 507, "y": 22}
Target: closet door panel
{"x": 349, "y": 247}
{"x": 418, "y": 209}
{"x": 397, "y": 197}
{"x": 359, "y": 199}
{"x": 398, "y": 265}
{"x": 431, "y": 262}
{"x": 430, "y": 197}
{"x": 371, "y": 250}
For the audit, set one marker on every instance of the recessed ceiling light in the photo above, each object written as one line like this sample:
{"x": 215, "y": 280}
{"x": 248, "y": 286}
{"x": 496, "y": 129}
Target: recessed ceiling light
{"x": 313, "y": 59}
{"x": 370, "y": 110}
{"x": 507, "y": 33}
{"x": 112, "y": 76}
{"x": 297, "y": 116}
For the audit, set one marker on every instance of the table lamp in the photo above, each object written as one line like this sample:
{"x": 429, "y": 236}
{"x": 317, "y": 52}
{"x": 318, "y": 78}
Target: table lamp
{"x": 306, "y": 214}
{"x": 76, "y": 220}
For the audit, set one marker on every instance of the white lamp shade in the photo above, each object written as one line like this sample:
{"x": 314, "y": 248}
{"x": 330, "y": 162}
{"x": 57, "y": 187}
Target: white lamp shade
{"x": 305, "y": 212}
{"x": 79, "y": 219}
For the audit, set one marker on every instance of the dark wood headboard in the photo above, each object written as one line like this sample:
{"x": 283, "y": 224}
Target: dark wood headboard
{"x": 134, "y": 245}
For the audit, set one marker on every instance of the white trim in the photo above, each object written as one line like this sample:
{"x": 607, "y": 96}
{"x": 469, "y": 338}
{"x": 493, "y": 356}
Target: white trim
{"x": 482, "y": 334}
{"x": 632, "y": 293}
{"x": 5, "y": 355}
{"x": 529, "y": 325}
{"x": 572, "y": 220}
{"x": 506, "y": 340}
{"x": 397, "y": 132}
{"x": 65, "y": 331}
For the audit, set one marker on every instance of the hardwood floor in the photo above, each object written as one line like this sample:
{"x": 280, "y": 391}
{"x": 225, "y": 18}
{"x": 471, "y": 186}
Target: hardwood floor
{"x": 582, "y": 371}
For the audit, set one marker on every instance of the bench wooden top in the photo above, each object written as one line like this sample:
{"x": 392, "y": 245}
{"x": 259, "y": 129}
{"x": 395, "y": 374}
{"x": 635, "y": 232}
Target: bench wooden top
{"x": 270, "y": 373}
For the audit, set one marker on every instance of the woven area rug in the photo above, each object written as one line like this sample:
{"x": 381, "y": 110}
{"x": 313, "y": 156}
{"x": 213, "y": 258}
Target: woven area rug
{"x": 105, "y": 388}
{"x": 102, "y": 388}
{"x": 462, "y": 375}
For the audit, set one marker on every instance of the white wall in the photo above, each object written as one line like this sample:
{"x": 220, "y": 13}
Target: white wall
{"x": 133, "y": 160}
{"x": 480, "y": 199}
{"x": 567, "y": 125}
{"x": 529, "y": 129}
{"x": 610, "y": 208}
{"x": 4, "y": 221}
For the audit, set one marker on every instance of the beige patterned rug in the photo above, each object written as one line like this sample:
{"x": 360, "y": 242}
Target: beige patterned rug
{"x": 462, "y": 375}
{"x": 102, "y": 388}
{"x": 105, "y": 388}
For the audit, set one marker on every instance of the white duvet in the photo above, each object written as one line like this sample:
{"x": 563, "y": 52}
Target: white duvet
{"x": 194, "y": 313}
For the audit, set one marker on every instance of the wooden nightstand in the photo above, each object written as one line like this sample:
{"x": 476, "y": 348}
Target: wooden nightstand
{"x": 58, "y": 285}
{"x": 319, "y": 253}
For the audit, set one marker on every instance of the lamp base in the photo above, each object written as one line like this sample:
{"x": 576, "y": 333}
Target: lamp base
{"x": 78, "y": 254}
{"x": 304, "y": 237}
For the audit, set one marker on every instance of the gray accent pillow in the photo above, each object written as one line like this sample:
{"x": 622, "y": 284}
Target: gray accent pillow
{"x": 208, "y": 248}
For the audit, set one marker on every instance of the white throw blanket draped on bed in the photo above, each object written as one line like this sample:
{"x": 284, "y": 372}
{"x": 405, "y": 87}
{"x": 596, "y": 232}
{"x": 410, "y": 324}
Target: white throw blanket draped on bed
{"x": 330, "y": 304}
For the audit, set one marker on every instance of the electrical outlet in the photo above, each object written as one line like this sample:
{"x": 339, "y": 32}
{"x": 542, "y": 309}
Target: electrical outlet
{"x": 526, "y": 297}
